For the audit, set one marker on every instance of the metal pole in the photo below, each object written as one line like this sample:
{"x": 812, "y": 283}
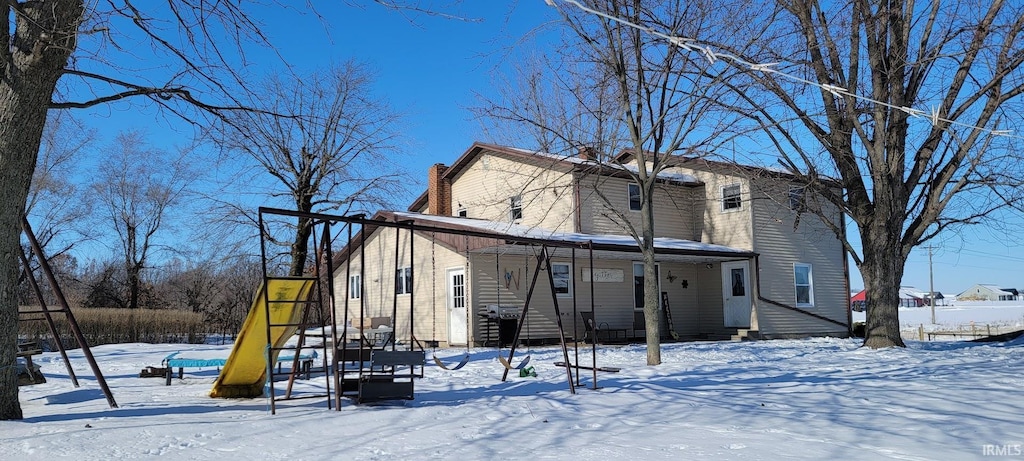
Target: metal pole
{"x": 38, "y": 250}
{"x": 931, "y": 284}
{"x": 522, "y": 319}
{"x": 329, "y": 263}
{"x": 558, "y": 319}
{"x": 267, "y": 353}
{"x": 593, "y": 332}
{"x": 49, "y": 319}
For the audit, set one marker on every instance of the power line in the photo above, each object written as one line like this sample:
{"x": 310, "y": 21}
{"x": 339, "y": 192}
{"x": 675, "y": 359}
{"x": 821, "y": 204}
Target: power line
{"x": 693, "y": 45}
{"x": 993, "y": 255}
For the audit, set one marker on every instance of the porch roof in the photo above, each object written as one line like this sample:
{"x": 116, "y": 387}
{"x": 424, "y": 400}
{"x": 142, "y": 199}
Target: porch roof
{"x": 606, "y": 246}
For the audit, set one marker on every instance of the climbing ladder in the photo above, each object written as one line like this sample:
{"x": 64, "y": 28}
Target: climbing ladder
{"x": 311, "y": 302}
{"x": 47, "y": 313}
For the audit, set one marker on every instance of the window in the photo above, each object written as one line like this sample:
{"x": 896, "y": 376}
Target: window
{"x": 634, "y": 196}
{"x": 804, "y": 285}
{"x": 796, "y": 198}
{"x": 731, "y": 199}
{"x": 462, "y": 213}
{"x": 739, "y": 286}
{"x": 561, "y": 273}
{"x": 403, "y": 281}
{"x": 516, "y": 207}
{"x": 355, "y": 289}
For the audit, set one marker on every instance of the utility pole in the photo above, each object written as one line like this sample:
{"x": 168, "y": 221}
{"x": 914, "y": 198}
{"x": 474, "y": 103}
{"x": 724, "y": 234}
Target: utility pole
{"x": 931, "y": 284}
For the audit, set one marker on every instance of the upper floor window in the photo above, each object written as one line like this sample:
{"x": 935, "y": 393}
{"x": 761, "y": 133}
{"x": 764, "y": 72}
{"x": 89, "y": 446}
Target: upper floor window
{"x": 633, "y": 190}
{"x": 804, "y": 285}
{"x": 403, "y": 281}
{"x": 731, "y": 199}
{"x": 516, "y": 207}
{"x": 797, "y": 198}
{"x": 462, "y": 213}
{"x": 561, "y": 273}
{"x": 355, "y": 289}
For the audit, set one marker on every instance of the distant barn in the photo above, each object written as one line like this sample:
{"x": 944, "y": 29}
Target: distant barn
{"x": 986, "y": 292}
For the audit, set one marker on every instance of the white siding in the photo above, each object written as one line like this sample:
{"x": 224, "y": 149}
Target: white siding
{"x": 429, "y": 284}
{"x": 484, "y": 187}
{"x": 676, "y": 208}
{"x": 724, "y": 227}
{"x": 782, "y": 242}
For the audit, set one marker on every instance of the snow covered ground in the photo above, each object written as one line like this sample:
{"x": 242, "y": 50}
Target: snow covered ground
{"x": 794, "y": 399}
{"x": 963, "y": 316}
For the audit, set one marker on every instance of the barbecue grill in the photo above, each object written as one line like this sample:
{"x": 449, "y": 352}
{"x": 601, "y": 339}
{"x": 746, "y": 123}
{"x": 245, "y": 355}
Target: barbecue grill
{"x": 496, "y": 312}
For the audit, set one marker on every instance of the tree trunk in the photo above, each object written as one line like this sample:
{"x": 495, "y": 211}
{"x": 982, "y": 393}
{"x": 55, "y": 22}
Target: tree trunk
{"x": 882, "y": 270}
{"x": 22, "y": 117}
{"x": 18, "y": 128}
{"x": 651, "y": 295}
{"x": 31, "y": 61}
{"x": 300, "y": 247}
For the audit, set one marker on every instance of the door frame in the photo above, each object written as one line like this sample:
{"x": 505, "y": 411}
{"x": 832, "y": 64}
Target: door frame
{"x": 456, "y": 325}
{"x": 727, "y": 295}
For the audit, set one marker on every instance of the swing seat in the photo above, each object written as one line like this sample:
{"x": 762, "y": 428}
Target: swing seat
{"x": 508, "y": 366}
{"x": 465, "y": 360}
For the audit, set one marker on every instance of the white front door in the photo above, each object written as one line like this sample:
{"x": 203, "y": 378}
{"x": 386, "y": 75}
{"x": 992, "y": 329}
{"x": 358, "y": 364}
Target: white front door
{"x": 458, "y": 333}
{"x": 736, "y": 294}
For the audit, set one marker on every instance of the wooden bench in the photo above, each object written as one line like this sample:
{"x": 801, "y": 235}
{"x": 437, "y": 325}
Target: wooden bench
{"x": 31, "y": 374}
{"x": 391, "y": 376}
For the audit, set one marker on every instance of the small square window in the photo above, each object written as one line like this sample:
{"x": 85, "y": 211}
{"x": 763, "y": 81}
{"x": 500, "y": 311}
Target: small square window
{"x": 516, "y": 208}
{"x": 462, "y": 213}
{"x": 731, "y": 199}
{"x": 634, "y": 196}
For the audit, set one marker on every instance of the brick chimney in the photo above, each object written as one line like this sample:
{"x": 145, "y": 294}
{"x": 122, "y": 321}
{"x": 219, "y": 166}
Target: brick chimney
{"x": 439, "y": 191}
{"x": 588, "y": 153}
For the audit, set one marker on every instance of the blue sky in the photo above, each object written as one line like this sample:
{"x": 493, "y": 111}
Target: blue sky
{"x": 432, "y": 69}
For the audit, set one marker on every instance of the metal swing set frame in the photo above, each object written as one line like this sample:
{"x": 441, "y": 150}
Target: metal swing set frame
{"x": 414, "y": 224}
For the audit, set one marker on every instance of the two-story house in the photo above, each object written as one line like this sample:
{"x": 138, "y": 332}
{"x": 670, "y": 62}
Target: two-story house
{"x": 735, "y": 257}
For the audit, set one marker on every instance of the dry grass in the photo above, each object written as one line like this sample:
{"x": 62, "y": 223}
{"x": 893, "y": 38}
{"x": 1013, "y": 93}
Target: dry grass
{"x": 113, "y": 326}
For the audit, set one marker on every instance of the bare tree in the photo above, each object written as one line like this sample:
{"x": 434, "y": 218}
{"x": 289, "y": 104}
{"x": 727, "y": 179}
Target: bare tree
{"x": 237, "y": 279}
{"x": 197, "y": 49}
{"x": 192, "y": 63}
{"x": 135, "y": 188}
{"x": 55, "y": 206}
{"x": 908, "y": 113}
{"x": 336, "y": 151}
{"x": 614, "y": 87}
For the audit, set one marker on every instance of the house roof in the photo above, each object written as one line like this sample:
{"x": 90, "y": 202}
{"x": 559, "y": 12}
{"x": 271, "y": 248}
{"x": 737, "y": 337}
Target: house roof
{"x": 569, "y": 163}
{"x": 484, "y": 234}
{"x": 613, "y": 242}
{"x": 702, "y": 162}
{"x": 998, "y": 290}
{"x": 911, "y": 292}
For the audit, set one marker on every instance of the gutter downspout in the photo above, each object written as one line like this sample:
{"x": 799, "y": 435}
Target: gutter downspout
{"x": 577, "y": 203}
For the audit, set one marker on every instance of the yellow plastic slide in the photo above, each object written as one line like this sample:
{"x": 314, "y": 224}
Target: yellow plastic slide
{"x": 245, "y": 372}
